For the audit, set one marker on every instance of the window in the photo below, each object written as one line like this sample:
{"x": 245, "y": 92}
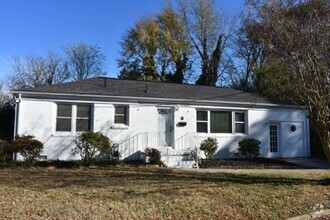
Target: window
{"x": 121, "y": 115}
{"x": 63, "y": 118}
{"x": 202, "y": 121}
{"x": 293, "y": 128}
{"x": 239, "y": 122}
{"x": 273, "y": 138}
{"x": 83, "y": 118}
{"x": 220, "y": 122}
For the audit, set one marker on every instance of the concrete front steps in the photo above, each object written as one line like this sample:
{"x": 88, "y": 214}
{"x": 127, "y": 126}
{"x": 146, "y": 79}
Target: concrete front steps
{"x": 177, "y": 158}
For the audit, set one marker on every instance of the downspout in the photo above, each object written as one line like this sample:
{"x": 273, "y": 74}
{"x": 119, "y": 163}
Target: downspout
{"x": 308, "y": 138}
{"x": 17, "y": 101}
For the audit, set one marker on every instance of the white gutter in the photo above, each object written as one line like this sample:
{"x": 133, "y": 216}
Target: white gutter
{"x": 155, "y": 99}
{"x": 308, "y": 144}
{"x": 17, "y": 100}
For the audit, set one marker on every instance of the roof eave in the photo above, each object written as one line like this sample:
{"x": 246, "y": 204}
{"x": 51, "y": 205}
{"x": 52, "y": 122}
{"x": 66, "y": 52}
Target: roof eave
{"x": 153, "y": 99}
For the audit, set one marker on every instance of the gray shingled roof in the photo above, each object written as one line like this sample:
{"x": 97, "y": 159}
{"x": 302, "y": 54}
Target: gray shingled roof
{"x": 133, "y": 88}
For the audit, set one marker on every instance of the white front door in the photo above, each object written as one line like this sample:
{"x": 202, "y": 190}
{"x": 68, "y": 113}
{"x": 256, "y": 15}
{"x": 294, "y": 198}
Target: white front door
{"x": 165, "y": 126}
{"x": 274, "y": 140}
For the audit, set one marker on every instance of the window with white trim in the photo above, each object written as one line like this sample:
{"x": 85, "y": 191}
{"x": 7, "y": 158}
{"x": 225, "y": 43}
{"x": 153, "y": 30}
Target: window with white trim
{"x": 239, "y": 122}
{"x": 83, "y": 122}
{"x": 202, "y": 121}
{"x": 220, "y": 122}
{"x": 121, "y": 115}
{"x": 66, "y": 121}
{"x": 63, "y": 118}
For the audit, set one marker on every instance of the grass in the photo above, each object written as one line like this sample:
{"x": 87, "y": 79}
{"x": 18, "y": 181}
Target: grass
{"x": 150, "y": 193}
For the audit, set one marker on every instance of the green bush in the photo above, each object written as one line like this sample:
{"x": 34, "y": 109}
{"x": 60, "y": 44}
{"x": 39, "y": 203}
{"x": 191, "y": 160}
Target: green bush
{"x": 155, "y": 157}
{"x": 249, "y": 147}
{"x": 209, "y": 146}
{"x": 89, "y": 144}
{"x": 27, "y": 146}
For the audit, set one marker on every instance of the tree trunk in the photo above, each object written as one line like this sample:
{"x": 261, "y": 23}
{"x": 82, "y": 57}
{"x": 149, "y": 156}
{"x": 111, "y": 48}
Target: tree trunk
{"x": 324, "y": 135}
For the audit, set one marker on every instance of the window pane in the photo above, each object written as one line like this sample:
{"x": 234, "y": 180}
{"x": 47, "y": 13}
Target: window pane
{"x": 83, "y": 111}
{"x": 220, "y": 122}
{"x": 120, "y": 119}
{"x": 120, "y": 110}
{"x": 83, "y": 125}
{"x": 240, "y": 128}
{"x": 201, "y": 115}
{"x": 63, "y": 124}
{"x": 202, "y": 127}
{"x": 64, "y": 110}
{"x": 239, "y": 116}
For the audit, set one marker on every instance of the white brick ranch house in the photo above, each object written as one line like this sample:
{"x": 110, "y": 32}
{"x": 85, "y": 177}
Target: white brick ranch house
{"x": 174, "y": 118}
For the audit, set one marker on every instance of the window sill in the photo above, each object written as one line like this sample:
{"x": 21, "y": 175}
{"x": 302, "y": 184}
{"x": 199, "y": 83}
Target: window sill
{"x": 64, "y": 134}
{"x": 221, "y": 134}
{"x": 119, "y": 127}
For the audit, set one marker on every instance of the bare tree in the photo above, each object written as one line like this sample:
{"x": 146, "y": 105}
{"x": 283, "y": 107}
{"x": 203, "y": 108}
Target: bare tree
{"x": 248, "y": 56}
{"x": 34, "y": 71}
{"x": 297, "y": 35}
{"x": 57, "y": 69}
{"x": 3, "y": 95}
{"x": 29, "y": 72}
{"x": 84, "y": 61}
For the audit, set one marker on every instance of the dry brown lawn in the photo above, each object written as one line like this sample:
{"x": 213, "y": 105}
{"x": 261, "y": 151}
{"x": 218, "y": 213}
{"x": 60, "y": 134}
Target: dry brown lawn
{"x": 150, "y": 193}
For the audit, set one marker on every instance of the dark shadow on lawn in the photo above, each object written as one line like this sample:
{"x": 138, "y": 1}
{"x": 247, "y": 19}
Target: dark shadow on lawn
{"x": 104, "y": 178}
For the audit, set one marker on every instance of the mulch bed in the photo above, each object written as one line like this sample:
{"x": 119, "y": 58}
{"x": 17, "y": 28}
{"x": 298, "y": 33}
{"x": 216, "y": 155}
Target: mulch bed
{"x": 244, "y": 163}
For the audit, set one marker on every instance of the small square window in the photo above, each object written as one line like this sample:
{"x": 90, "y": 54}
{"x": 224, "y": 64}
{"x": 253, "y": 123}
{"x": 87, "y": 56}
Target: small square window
{"x": 201, "y": 115}
{"x": 121, "y": 115}
{"x": 63, "y": 124}
{"x": 239, "y": 128}
{"x": 202, "y": 127}
{"x": 239, "y": 116}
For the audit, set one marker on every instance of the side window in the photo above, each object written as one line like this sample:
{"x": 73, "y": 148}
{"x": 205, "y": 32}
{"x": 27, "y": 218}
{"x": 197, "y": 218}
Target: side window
{"x": 121, "y": 115}
{"x": 83, "y": 120}
{"x": 63, "y": 117}
{"x": 239, "y": 122}
{"x": 202, "y": 121}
